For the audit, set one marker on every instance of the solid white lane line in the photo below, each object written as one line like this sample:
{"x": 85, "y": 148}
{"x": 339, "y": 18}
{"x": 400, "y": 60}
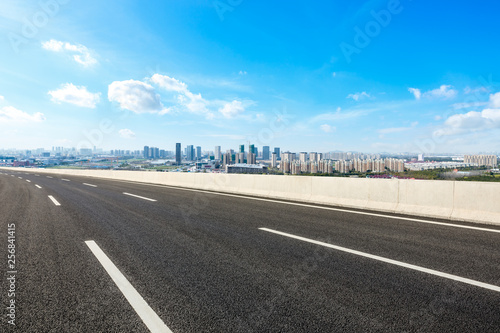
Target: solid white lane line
{"x": 89, "y": 185}
{"x": 37, "y": 175}
{"x": 138, "y": 196}
{"x": 54, "y": 201}
{"x": 38, "y": 186}
{"x": 389, "y": 261}
{"x": 20, "y": 177}
{"x": 29, "y": 181}
{"x": 49, "y": 177}
{"x": 148, "y": 316}
{"x": 321, "y": 207}
{"x": 66, "y": 180}
{"x": 12, "y": 175}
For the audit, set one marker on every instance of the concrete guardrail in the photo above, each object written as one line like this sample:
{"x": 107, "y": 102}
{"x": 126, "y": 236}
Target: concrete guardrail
{"x": 453, "y": 200}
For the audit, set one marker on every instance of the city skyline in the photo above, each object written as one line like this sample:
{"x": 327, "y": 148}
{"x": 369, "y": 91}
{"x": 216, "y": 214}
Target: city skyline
{"x": 147, "y": 75}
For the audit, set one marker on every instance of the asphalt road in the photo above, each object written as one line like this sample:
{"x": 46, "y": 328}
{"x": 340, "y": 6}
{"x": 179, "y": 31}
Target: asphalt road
{"x": 201, "y": 262}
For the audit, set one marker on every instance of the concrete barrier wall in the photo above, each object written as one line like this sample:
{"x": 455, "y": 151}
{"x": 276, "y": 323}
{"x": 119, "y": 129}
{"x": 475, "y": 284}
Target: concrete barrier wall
{"x": 464, "y": 201}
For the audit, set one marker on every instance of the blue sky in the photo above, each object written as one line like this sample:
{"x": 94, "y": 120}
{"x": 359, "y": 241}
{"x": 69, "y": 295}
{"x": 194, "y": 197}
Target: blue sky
{"x": 371, "y": 76}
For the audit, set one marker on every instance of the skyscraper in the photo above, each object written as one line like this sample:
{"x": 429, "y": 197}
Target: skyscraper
{"x": 178, "y": 153}
{"x": 146, "y": 152}
{"x": 265, "y": 152}
{"x": 251, "y": 149}
{"x": 217, "y": 155}
{"x": 242, "y": 149}
{"x": 190, "y": 153}
{"x": 198, "y": 153}
{"x": 303, "y": 157}
{"x": 277, "y": 151}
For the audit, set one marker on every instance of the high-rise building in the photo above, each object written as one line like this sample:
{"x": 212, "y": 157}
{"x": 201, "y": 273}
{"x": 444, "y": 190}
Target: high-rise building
{"x": 146, "y": 152}
{"x": 251, "y": 149}
{"x": 288, "y": 156}
{"x": 190, "y": 153}
{"x": 265, "y": 153}
{"x": 178, "y": 153}
{"x": 242, "y": 149}
{"x": 198, "y": 153}
{"x": 251, "y": 158}
{"x": 480, "y": 160}
{"x": 303, "y": 157}
{"x": 240, "y": 158}
{"x": 217, "y": 154}
{"x": 274, "y": 160}
{"x": 277, "y": 151}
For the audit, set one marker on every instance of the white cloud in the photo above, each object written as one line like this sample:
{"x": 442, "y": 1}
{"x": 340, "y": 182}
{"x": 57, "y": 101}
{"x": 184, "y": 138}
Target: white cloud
{"x": 495, "y": 100}
{"x": 192, "y": 102}
{"x": 242, "y": 73}
{"x": 473, "y": 121}
{"x": 458, "y": 106}
{"x": 11, "y": 114}
{"x": 469, "y": 90}
{"x": 136, "y": 96}
{"x": 416, "y": 92}
{"x": 53, "y": 45}
{"x": 126, "y": 133}
{"x": 358, "y": 96}
{"x": 77, "y": 95}
{"x": 80, "y": 53}
{"x": 327, "y": 128}
{"x": 443, "y": 92}
{"x": 169, "y": 83}
{"x": 195, "y": 103}
{"x": 232, "y": 109}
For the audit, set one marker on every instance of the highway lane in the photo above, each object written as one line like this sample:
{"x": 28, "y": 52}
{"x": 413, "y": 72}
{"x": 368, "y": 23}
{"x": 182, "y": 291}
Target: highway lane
{"x": 58, "y": 287}
{"x": 202, "y": 264}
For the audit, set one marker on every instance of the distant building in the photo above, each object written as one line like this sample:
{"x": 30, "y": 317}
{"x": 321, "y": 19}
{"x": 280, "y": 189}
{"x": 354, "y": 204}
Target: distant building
{"x": 288, "y": 156}
{"x": 277, "y": 152}
{"x": 83, "y": 151}
{"x": 251, "y": 149}
{"x": 265, "y": 153}
{"x": 303, "y": 157}
{"x": 482, "y": 160}
{"x": 190, "y": 153}
{"x": 274, "y": 160}
{"x": 246, "y": 168}
{"x": 251, "y": 158}
{"x": 178, "y": 153}
{"x": 146, "y": 152}
{"x": 198, "y": 153}
{"x": 217, "y": 154}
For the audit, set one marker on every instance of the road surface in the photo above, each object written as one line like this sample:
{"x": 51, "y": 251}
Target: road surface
{"x": 96, "y": 255}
